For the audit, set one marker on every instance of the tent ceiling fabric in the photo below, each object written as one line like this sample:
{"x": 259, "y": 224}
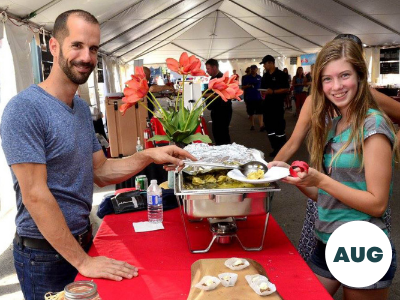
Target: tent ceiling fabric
{"x": 154, "y": 30}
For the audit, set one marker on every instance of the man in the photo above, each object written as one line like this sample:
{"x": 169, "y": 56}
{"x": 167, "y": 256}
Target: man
{"x": 236, "y": 75}
{"x": 276, "y": 84}
{"x": 154, "y": 88}
{"x": 251, "y": 84}
{"x": 221, "y": 111}
{"x": 49, "y": 142}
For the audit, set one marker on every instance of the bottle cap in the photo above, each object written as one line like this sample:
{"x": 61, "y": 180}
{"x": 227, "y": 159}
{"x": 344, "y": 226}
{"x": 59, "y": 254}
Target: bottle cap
{"x": 153, "y": 181}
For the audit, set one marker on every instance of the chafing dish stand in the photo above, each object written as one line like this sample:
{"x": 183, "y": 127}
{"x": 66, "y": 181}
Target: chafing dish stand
{"x": 222, "y": 210}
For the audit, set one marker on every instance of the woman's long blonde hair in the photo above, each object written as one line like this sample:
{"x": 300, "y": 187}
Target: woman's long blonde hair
{"x": 323, "y": 110}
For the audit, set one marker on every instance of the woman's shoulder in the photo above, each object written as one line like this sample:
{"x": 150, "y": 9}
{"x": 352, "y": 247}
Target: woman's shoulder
{"x": 374, "y": 115}
{"x": 375, "y": 122}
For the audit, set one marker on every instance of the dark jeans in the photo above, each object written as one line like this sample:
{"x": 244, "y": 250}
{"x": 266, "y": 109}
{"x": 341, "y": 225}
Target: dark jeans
{"x": 317, "y": 263}
{"x": 275, "y": 124}
{"x": 42, "y": 271}
{"x": 221, "y": 118}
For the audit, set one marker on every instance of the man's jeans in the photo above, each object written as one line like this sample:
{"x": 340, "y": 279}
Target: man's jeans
{"x": 42, "y": 271}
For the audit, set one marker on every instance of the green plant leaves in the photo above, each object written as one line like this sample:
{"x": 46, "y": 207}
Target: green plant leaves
{"x": 197, "y": 137}
{"x": 159, "y": 138}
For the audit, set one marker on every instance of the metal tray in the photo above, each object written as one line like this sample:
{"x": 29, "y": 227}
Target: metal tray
{"x": 221, "y": 203}
{"x": 180, "y": 191}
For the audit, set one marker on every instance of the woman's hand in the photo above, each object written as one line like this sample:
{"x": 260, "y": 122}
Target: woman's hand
{"x": 276, "y": 163}
{"x": 305, "y": 179}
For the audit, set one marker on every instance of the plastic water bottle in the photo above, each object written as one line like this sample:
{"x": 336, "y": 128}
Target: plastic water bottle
{"x": 154, "y": 203}
{"x": 139, "y": 146}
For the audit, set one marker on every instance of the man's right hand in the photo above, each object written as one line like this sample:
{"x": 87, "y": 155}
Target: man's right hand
{"x": 104, "y": 267}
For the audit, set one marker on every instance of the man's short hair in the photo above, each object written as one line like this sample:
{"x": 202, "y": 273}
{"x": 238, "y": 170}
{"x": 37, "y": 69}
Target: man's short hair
{"x": 267, "y": 58}
{"x": 253, "y": 67}
{"x": 60, "y": 30}
{"x": 350, "y": 37}
{"x": 212, "y": 62}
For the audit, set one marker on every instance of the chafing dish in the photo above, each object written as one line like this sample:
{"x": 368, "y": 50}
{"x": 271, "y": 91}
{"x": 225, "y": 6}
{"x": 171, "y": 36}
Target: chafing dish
{"x": 222, "y": 209}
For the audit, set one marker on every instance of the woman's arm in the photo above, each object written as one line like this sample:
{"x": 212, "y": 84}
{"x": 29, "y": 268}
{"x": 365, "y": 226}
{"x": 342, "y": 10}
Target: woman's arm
{"x": 299, "y": 133}
{"x": 378, "y": 174}
{"x": 294, "y": 81}
{"x": 390, "y": 106}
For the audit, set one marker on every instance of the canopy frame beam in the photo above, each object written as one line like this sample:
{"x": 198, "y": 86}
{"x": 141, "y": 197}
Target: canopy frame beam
{"x": 162, "y": 25}
{"x": 275, "y": 24}
{"x": 213, "y": 35}
{"x": 366, "y": 16}
{"x": 141, "y": 23}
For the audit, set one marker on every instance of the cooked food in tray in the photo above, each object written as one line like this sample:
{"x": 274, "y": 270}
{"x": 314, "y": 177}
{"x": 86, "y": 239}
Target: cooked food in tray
{"x": 259, "y": 174}
{"x": 215, "y": 180}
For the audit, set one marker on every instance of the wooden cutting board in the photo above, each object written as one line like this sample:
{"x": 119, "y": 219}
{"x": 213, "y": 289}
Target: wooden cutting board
{"x": 240, "y": 291}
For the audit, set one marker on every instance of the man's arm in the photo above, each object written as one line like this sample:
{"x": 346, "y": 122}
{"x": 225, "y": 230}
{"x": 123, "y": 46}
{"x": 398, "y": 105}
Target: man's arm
{"x": 47, "y": 215}
{"x": 112, "y": 171}
{"x": 390, "y": 106}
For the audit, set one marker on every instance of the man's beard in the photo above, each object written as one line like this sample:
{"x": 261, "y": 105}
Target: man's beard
{"x": 67, "y": 67}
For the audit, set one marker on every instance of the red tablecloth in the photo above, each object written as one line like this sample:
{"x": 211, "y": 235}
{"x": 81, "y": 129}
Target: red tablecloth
{"x": 164, "y": 260}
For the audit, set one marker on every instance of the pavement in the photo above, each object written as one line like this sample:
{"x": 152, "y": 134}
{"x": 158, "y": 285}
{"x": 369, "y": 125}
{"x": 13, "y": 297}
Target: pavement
{"x": 288, "y": 206}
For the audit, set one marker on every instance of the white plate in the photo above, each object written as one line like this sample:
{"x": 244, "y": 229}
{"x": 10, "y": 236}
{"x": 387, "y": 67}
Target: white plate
{"x": 262, "y": 90}
{"x": 273, "y": 174}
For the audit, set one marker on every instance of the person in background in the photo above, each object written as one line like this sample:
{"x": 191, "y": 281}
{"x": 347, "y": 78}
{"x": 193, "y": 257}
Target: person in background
{"x": 391, "y": 107}
{"x": 299, "y": 82}
{"x": 251, "y": 84}
{"x": 277, "y": 86}
{"x": 359, "y": 187}
{"x": 288, "y": 104}
{"x": 236, "y": 75}
{"x": 309, "y": 79}
{"x": 54, "y": 157}
{"x": 221, "y": 111}
{"x": 154, "y": 88}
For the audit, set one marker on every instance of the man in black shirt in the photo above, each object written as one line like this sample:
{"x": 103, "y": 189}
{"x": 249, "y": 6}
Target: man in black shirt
{"x": 277, "y": 86}
{"x": 221, "y": 111}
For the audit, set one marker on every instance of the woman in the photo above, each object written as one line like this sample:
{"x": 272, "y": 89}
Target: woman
{"x": 299, "y": 82}
{"x": 347, "y": 123}
{"x": 390, "y": 107}
{"x": 288, "y": 104}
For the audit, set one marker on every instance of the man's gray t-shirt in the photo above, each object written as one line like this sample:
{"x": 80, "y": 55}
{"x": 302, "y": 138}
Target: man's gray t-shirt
{"x": 38, "y": 128}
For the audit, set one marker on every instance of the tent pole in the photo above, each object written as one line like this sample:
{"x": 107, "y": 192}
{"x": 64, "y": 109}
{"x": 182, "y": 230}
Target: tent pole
{"x": 212, "y": 35}
{"x": 40, "y": 9}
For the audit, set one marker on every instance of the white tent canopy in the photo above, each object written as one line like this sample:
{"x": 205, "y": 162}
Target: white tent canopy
{"x": 153, "y": 30}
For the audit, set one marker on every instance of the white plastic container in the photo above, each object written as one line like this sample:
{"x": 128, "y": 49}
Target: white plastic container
{"x": 139, "y": 146}
{"x": 154, "y": 203}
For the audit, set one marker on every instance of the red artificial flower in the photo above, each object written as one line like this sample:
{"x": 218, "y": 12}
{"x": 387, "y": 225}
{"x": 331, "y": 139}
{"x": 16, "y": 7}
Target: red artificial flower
{"x": 226, "y": 87}
{"x": 186, "y": 65}
{"x": 136, "y": 88}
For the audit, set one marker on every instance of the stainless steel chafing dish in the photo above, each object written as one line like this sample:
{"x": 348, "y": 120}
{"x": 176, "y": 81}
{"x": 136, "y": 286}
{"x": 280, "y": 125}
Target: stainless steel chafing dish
{"x": 222, "y": 208}
{"x": 219, "y": 203}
